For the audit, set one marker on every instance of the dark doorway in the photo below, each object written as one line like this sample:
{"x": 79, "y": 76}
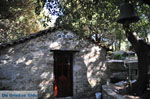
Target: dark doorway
{"x": 63, "y": 73}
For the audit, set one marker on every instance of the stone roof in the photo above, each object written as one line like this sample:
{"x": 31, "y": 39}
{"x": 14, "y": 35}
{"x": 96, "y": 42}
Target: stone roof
{"x": 26, "y": 38}
{"x": 38, "y": 34}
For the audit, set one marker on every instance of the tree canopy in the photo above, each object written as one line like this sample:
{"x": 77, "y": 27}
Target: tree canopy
{"x": 87, "y": 17}
{"x": 94, "y": 16}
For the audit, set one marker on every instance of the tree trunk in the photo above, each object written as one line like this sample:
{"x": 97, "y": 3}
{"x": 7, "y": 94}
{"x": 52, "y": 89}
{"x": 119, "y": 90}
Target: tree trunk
{"x": 143, "y": 64}
{"x": 142, "y": 50}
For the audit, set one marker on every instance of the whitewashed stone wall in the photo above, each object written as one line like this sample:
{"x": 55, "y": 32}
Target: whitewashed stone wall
{"x": 29, "y": 65}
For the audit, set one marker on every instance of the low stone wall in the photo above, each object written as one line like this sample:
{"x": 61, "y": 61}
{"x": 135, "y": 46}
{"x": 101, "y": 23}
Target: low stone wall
{"x": 121, "y": 69}
{"x": 111, "y": 92}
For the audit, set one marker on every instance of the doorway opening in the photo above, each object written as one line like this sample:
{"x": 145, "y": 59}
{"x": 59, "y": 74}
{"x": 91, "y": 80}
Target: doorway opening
{"x": 63, "y": 73}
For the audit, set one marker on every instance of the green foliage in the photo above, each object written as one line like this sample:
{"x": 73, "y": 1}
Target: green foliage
{"x": 86, "y": 17}
{"x": 119, "y": 56}
{"x": 142, "y": 28}
{"x": 18, "y": 19}
{"x": 99, "y": 17}
{"x": 91, "y": 17}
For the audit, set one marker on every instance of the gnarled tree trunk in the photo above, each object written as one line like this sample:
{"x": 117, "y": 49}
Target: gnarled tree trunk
{"x": 142, "y": 50}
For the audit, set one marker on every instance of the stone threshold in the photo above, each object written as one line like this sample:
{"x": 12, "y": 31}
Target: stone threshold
{"x": 65, "y": 98}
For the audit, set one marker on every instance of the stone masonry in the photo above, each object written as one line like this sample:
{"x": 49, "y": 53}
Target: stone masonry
{"x": 29, "y": 65}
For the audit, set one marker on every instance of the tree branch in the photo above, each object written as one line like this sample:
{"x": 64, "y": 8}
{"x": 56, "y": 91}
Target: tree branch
{"x": 131, "y": 38}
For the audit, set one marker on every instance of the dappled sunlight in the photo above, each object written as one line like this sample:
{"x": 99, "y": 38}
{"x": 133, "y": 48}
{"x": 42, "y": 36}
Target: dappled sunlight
{"x": 84, "y": 29}
{"x": 92, "y": 56}
{"x": 103, "y": 68}
{"x": 92, "y": 61}
{"x": 28, "y": 62}
{"x": 45, "y": 75}
{"x": 48, "y": 95}
{"x": 92, "y": 82}
{"x": 44, "y": 85}
{"x": 89, "y": 73}
{"x": 4, "y": 62}
{"x": 20, "y": 60}
{"x": 6, "y": 59}
{"x": 11, "y": 50}
{"x": 95, "y": 81}
{"x": 95, "y": 63}
{"x": 55, "y": 45}
{"x": 32, "y": 63}
{"x": 27, "y": 66}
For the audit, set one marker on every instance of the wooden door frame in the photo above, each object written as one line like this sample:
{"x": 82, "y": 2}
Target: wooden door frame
{"x": 71, "y": 54}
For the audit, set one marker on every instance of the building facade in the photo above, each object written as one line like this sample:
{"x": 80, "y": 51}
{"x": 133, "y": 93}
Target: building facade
{"x": 52, "y": 62}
